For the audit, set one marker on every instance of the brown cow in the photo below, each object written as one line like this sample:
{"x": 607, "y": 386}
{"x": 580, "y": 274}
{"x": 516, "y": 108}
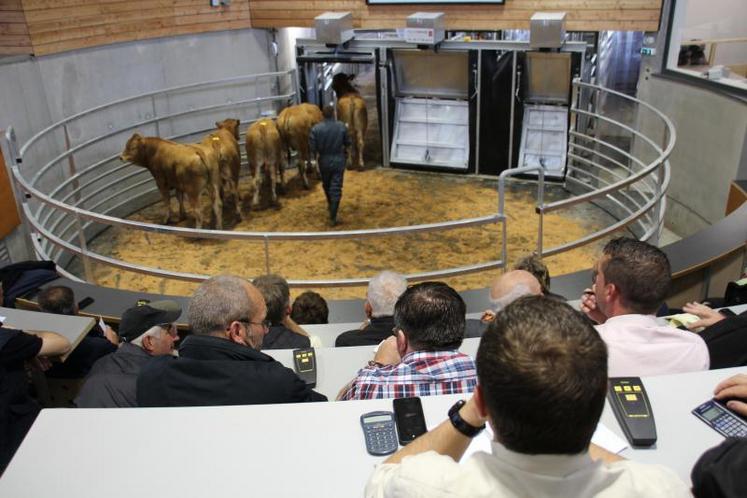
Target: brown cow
{"x": 229, "y": 153}
{"x": 295, "y": 123}
{"x": 263, "y": 152}
{"x": 184, "y": 168}
{"x": 351, "y": 110}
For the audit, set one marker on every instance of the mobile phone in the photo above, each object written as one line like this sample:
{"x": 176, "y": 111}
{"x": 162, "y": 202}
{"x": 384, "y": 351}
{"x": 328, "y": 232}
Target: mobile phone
{"x": 86, "y": 301}
{"x": 408, "y": 412}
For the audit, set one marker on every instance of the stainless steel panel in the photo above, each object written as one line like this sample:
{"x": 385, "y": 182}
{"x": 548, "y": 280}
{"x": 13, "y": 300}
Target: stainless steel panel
{"x": 442, "y": 74}
{"x": 547, "y": 30}
{"x": 334, "y": 27}
{"x": 549, "y": 77}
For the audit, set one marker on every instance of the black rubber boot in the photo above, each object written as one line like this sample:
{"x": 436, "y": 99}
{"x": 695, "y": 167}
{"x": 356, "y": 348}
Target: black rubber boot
{"x": 333, "y": 206}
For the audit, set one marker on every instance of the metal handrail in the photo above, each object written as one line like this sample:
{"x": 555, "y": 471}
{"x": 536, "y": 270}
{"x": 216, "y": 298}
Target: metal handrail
{"x": 156, "y": 93}
{"x": 651, "y": 194}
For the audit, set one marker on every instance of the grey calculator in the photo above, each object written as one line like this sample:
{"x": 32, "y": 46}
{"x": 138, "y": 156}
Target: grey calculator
{"x": 721, "y": 419}
{"x": 379, "y": 430}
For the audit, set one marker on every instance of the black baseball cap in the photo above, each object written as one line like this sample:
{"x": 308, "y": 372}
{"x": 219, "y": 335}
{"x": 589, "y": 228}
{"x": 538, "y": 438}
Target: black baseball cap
{"x": 138, "y": 319}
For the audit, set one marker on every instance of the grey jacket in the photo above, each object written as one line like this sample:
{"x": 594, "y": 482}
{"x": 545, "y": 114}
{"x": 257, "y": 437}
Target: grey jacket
{"x": 112, "y": 381}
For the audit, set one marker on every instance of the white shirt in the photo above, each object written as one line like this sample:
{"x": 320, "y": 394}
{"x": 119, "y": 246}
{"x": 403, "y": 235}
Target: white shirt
{"x": 509, "y": 474}
{"x": 638, "y": 346}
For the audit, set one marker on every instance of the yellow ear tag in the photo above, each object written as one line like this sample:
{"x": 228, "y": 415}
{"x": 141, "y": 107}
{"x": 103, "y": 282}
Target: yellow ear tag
{"x": 215, "y": 139}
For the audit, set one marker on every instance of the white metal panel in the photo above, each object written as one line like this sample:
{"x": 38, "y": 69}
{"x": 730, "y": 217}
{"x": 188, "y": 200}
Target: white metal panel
{"x": 431, "y": 132}
{"x": 544, "y": 138}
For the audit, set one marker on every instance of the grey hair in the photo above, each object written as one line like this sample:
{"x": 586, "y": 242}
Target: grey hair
{"x": 518, "y": 291}
{"x": 383, "y": 291}
{"x": 216, "y": 303}
{"x": 154, "y": 331}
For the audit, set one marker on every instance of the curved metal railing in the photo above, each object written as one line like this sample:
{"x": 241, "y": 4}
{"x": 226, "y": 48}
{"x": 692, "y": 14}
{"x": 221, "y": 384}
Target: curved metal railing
{"x": 64, "y": 205}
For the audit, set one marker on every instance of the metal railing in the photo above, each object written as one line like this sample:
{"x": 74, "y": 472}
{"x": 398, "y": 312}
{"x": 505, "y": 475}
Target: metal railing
{"x": 64, "y": 206}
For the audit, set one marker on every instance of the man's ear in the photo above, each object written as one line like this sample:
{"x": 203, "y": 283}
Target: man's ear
{"x": 402, "y": 343}
{"x": 148, "y": 343}
{"x": 234, "y": 333}
{"x": 368, "y": 309}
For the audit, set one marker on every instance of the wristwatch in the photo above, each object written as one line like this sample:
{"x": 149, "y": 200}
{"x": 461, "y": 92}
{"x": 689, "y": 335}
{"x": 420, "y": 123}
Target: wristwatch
{"x": 459, "y": 423}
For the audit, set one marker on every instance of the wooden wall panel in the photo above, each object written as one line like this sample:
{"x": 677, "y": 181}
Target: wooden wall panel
{"x": 583, "y": 15}
{"x": 14, "y": 34}
{"x": 10, "y": 219}
{"x": 61, "y": 25}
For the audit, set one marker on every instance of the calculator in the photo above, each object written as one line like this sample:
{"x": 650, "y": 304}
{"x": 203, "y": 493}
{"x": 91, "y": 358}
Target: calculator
{"x": 379, "y": 430}
{"x": 721, "y": 419}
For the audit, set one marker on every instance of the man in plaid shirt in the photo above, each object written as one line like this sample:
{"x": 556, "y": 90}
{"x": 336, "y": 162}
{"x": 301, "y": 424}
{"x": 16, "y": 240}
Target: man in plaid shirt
{"x": 422, "y": 356}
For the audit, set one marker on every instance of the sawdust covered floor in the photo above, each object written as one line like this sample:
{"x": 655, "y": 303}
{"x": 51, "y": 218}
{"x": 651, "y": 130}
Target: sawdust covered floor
{"x": 375, "y": 198}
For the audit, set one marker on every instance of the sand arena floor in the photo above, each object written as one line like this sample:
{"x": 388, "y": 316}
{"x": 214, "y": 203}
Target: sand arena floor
{"x": 371, "y": 198}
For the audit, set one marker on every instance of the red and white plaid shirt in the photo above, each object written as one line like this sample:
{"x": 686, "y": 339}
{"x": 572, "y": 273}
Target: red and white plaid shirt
{"x": 420, "y": 373}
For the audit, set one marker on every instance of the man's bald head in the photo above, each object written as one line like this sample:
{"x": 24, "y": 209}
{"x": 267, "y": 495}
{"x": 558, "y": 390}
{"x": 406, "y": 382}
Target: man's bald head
{"x": 511, "y": 286}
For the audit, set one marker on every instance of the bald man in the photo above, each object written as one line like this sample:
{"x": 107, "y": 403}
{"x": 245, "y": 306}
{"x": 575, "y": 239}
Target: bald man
{"x": 508, "y": 288}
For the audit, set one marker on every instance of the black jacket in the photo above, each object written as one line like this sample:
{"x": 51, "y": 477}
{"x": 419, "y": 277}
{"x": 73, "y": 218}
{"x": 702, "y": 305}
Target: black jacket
{"x": 111, "y": 381}
{"x": 214, "y": 371}
{"x": 280, "y": 337}
{"x": 727, "y": 342}
{"x": 379, "y": 329}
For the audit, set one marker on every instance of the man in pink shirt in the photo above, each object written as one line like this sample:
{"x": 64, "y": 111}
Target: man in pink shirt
{"x": 630, "y": 282}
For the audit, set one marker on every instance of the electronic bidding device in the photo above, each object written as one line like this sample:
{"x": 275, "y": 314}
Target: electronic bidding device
{"x": 85, "y": 302}
{"x": 408, "y": 412}
{"x": 378, "y": 429}
{"x": 304, "y": 363}
{"x": 722, "y": 420}
{"x": 632, "y": 409}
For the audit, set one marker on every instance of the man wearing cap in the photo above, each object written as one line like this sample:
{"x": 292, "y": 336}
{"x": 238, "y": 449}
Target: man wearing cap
{"x": 145, "y": 331}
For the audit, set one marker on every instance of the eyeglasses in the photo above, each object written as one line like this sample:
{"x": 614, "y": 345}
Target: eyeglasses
{"x": 170, "y": 327}
{"x": 266, "y": 324}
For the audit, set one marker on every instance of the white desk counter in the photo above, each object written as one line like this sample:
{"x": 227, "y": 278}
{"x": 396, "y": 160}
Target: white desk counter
{"x": 311, "y": 449}
{"x": 337, "y": 366}
{"x": 72, "y": 328}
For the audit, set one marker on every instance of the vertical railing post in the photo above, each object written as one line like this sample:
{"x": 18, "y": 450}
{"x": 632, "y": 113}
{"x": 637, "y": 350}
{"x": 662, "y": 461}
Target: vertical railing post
{"x": 296, "y": 86}
{"x": 71, "y": 167}
{"x": 540, "y": 209}
{"x": 155, "y": 115}
{"x": 87, "y": 270}
{"x": 504, "y": 231}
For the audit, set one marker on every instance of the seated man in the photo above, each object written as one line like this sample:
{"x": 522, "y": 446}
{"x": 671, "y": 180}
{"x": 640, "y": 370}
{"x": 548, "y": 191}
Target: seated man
{"x": 146, "y": 331}
{"x": 99, "y": 342}
{"x": 542, "y": 373}
{"x": 422, "y": 359}
{"x": 630, "y": 282}
{"x": 18, "y": 409}
{"x": 723, "y": 332}
{"x": 534, "y": 265}
{"x": 310, "y": 308}
{"x": 220, "y": 363}
{"x": 284, "y": 333}
{"x": 383, "y": 291}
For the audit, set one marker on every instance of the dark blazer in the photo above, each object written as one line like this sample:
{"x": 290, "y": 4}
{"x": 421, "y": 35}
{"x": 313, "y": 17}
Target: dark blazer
{"x": 111, "y": 381}
{"x": 280, "y": 337}
{"x": 376, "y": 331}
{"x": 214, "y": 371}
{"x": 727, "y": 341}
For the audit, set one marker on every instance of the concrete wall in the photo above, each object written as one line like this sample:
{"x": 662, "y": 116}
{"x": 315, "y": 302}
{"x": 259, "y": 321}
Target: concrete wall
{"x": 710, "y": 140}
{"x": 36, "y": 92}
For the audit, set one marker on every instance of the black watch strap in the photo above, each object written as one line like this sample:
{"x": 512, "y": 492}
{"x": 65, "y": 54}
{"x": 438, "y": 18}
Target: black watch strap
{"x": 459, "y": 423}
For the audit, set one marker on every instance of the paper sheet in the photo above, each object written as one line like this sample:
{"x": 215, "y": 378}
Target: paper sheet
{"x": 603, "y": 437}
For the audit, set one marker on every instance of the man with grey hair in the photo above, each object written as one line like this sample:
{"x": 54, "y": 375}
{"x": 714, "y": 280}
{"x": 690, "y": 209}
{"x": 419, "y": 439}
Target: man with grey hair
{"x": 145, "y": 331}
{"x": 220, "y": 363}
{"x": 383, "y": 291}
{"x": 284, "y": 333}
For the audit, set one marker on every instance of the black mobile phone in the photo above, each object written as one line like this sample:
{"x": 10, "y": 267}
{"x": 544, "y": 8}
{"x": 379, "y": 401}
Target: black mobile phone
{"x": 86, "y": 301}
{"x": 408, "y": 412}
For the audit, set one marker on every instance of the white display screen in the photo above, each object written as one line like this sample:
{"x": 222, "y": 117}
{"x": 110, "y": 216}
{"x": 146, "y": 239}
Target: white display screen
{"x": 378, "y": 418}
{"x": 405, "y": 2}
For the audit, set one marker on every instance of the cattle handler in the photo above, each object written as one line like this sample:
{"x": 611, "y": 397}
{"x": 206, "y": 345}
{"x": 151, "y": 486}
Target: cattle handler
{"x": 329, "y": 139}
